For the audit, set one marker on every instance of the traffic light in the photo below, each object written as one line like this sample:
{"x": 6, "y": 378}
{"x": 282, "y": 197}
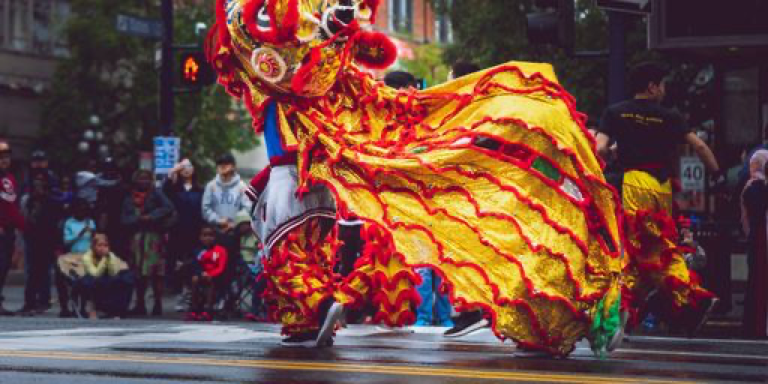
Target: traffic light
{"x": 551, "y": 23}
{"x": 194, "y": 70}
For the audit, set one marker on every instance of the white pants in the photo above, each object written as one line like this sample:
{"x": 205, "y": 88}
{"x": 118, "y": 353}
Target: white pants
{"x": 278, "y": 210}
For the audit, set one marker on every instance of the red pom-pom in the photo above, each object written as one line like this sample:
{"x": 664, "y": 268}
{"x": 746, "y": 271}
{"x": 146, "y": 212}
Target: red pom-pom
{"x": 375, "y": 50}
{"x": 280, "y": 31}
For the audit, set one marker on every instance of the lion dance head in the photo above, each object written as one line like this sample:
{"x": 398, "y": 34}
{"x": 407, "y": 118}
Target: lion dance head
{"x": 293, "y": 48}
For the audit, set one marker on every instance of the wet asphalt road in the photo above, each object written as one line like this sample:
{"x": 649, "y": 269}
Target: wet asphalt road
{"x": 45, "y": 350}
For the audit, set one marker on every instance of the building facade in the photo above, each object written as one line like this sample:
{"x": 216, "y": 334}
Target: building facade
{"x": 414, "y": 21}
{"x": 31, "y": 39}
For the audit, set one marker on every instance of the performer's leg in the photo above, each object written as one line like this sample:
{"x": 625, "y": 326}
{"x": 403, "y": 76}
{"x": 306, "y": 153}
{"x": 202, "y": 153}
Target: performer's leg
{"x": 656, "y": 262}
{"x": 299, "y": 275}
{"x": 424, "y": 312}
{"x": 382, "y": 280}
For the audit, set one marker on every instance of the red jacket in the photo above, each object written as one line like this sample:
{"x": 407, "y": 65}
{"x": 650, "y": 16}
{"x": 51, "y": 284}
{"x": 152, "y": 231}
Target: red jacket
{"x": 10, "y": 215}
{"x": 213, "y": 261}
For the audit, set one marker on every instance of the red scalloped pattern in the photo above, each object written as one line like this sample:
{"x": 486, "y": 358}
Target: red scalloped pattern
{"x": 379, "y": 253}
{"x": 638, "y": 224}
{"x": 322, "y": 113}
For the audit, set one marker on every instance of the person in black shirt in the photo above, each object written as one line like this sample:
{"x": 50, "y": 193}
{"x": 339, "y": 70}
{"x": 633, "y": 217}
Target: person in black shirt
{"x": 647, "y": 135}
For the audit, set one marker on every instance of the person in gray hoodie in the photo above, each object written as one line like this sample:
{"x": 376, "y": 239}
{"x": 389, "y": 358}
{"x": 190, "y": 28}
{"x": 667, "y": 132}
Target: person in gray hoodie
{"x": 224, "y": 200}
{"x": 224, "y": 197}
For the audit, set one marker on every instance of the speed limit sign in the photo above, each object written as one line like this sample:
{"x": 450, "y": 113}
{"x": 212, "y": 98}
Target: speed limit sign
{"x": 692, "y": 174}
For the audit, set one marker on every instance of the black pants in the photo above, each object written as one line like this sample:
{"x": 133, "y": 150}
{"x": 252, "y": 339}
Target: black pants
{"x": 62, "y": 289}
{"x": 37, "y": 290}
{"x": 7, "y": 246}
{"x": 180, "y": 248}
{"x": 110, "y": 294}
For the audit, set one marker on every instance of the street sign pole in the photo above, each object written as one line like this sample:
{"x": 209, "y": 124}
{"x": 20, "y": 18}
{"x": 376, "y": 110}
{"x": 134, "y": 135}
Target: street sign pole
{"x": 166, "y": 71}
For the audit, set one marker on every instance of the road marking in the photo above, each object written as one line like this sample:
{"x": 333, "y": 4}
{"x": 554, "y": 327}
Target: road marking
{"x": 397, "y": 370}
{"x": 696, "y": 340}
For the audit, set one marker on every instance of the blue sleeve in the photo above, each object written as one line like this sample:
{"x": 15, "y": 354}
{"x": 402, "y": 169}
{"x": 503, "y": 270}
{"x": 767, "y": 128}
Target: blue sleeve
{"x": 271, "y": 134}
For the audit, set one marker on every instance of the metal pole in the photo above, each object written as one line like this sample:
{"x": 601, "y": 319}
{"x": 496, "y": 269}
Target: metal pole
{"x": 617, "y": 58}
{"x": 166, "y": 70}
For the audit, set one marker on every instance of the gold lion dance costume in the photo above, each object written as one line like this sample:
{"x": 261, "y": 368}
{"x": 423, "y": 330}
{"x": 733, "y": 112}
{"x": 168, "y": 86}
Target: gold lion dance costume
{"x": 490, "y": 179}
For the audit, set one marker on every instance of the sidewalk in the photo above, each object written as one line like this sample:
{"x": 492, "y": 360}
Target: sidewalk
{"x": 14, "y": 299}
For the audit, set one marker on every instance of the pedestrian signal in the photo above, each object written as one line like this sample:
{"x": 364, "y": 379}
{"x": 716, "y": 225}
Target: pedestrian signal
{"x": 195, "y": 70}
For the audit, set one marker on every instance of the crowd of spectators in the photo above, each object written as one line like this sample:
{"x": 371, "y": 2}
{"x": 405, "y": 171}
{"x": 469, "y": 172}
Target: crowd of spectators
{"x": 106, "y": 239}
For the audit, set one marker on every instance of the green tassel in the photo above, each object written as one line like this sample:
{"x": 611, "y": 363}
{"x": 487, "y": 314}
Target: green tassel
{"x": 604, "y": 325}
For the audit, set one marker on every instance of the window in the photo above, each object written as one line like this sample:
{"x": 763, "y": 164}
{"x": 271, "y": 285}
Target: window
{"x": 35, "y": 26}
{"x": 19, "y": 34}
{"x": 3, "y": 23}
{"x": 60, "y": 13}
{"x": 401, "y": 16}
{"x": 443, "y": 29}
{"x": 41, "y": 25}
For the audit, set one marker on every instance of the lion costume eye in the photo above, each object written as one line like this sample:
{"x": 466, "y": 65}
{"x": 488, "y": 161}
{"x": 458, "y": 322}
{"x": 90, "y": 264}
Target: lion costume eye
{"x": 268, "y": 64}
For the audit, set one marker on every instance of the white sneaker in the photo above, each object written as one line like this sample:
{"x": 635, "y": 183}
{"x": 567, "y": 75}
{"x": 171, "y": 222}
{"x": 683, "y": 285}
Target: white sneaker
{"x": 335, "y": 313}
{"x": 618, "y": 337}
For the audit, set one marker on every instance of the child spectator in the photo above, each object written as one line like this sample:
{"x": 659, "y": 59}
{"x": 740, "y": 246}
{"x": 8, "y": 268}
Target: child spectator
{"x": 107, "y": 284}
{"x": 79, "y": 228}
{"x": 147, "y": 214}
{"x": 207, "y": 276}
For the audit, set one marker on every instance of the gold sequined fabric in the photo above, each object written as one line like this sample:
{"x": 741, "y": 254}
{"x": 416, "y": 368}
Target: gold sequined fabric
{"x": 490, "y": 179}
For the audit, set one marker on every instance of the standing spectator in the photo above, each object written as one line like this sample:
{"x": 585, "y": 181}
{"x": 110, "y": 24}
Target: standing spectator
{"x": 208, "y": 276}
{"x": 224, "y": 198}
{"x": 182, "y": 188}
{"x": 107, "y": 283}
{"x": 42, "y": 215}
{"x": 250, "y": 259}
{"x": 64, "y": 194}
{"x": 10, "y": 218}
{"x": 38, "y": 169}
{"x": 754, "y": 207}
{"x": 147, "y": 214}
{"x": 39, "y": 166}
{"x": 90, "y": 181}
